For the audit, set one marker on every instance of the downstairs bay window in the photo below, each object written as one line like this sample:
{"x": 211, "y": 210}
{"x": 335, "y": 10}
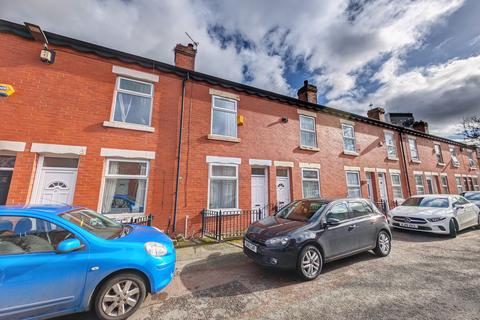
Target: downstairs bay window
{"x": 125, "y": 186}
{"x": 223, "y": 187}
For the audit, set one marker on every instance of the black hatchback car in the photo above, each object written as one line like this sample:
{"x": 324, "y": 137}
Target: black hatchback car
{"x": 308, "y": 233}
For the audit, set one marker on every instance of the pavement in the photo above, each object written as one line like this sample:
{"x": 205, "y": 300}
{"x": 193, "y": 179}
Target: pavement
{"x": 424, "y": 277}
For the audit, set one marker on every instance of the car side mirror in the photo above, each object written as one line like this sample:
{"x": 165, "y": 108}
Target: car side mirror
{"x": 332, "y": 222}
{"x": 69, "y": 245}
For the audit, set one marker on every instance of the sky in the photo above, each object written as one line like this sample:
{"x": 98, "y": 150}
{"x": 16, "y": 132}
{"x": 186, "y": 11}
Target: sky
{"x": 418, "y": 56}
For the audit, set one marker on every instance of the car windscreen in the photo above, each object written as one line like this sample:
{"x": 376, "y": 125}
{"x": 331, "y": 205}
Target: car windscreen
{"x": 302, "y": 210}
{"x": 472, "y": 196}
{"x": 429, "y": 202}
{"x": 94, "y": 223}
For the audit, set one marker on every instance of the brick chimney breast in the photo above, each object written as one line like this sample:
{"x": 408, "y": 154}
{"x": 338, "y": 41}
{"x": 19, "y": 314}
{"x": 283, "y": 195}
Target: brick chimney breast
{"x": 377, "y": 114}
{"x": 420, "y": 126}
{"x": 185, "y": 56}
{"x": 307, "y": 93}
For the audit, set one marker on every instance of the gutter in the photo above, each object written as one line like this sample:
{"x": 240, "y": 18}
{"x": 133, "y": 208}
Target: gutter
{"x": 179, "y": 152}
{"x": 404, "y": 158}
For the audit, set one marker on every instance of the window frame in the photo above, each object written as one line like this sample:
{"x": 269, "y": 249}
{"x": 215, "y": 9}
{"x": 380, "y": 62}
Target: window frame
{"x": 471, "y": 159}
{"x": 236, "y": 178}
{"x": 353, "y": 186}
{"x": 310, "y": 179}
{"x": 438, "y": 153}
{"x": 476, "y": 186}
{"x": 393, "y": 145}
{"x": 454, "y": 156}
{"x": 459, "y": 185}
{"x": 394, "y": 185}
{"x": 354, "y": 138}
{"x": 445, "y": 187}
{"x": 139, "y": 94}
{"x": 418, "y": 185}
{"x": 417, "y": 158}
{"x": 212, "y": 109}
{"x": 106, "y": 175}
{"x": 302, "y": 116}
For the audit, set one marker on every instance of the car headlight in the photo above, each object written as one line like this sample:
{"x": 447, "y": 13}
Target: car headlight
{"x": 436, "y": 219}
{"x": 277, "y": 242}
{"x": 155, "y": 249}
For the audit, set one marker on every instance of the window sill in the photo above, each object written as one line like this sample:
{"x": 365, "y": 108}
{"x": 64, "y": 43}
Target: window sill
{"x": 123, "y": 216}
{"x": 350, "y": 153}
{"x": 128, "y": 126}
{"x": 456, "y": 165}
{"x": 415, "y": 161}
{"x": 225, "y": 212}
{"x": 392, "y": 158}
{"x": 223, "y": 138}
{"x": 314, "y": 149}
{"x": 440, "y": 164}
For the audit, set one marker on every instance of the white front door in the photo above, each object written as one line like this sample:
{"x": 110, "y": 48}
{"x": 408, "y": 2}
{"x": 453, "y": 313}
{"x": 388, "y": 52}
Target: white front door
{"x": 370, "y": 186}
{"x": 383, "y": 189}
{"x": 283, "y": 188}
{"x": 55, "y": 181}
{"x": 259, "y": 193}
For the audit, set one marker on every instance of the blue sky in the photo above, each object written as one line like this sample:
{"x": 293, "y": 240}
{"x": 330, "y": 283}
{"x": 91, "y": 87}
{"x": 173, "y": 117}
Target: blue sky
{"x": 406, "y": 56}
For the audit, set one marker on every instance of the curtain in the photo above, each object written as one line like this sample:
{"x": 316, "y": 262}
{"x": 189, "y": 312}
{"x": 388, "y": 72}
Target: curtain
{"x": 109, "y": 188}
{"x": 223, "y": 194}
{"x": 140, "y": 196}
{"x": 311, "y": 189}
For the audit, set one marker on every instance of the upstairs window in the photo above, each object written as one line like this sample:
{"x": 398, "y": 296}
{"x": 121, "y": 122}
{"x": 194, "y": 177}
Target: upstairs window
{"x": 453, "y": 155}
{"x": 471, "y": 160}
{"x": 412, "y": 144}
{"x": 348, "y": 138}
{"x": 133, "y": 101}
{"x": 308, "y": 134}
{"x": 391, "y": 147}
{"x": 310, "y": 183}
{"x": 438, "y": 153}
{"x": 224, "y": 117}
{"x": 353, "y": 184}
{"x": 419, "y": 184}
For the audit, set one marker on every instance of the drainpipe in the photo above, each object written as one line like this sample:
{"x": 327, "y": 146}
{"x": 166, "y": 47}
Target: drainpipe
{"x": 179, "y": 152}
{"x": 404, "y": 157}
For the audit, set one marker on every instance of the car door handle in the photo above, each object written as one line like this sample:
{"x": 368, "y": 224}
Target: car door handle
{"x": 353, "y": 226}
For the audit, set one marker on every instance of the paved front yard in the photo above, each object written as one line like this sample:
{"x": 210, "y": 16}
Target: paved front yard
{"x": 425, "y": 277}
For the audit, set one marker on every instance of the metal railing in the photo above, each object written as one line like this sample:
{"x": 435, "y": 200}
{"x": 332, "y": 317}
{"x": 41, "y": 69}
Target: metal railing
{"x": 224, "y": 224}
{"x": 141, "y": 220}
{"x": 382, "y": 205}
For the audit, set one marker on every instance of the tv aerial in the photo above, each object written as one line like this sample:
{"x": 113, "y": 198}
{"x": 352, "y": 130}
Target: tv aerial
{"x": 195, "y": 43}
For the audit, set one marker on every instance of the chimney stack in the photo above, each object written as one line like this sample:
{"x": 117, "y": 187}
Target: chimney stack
{"x": 307, "y": 93}
{"x": 185, "y": 56}
{"x": 420, "y": 126}
{"x": 377, "y": 114}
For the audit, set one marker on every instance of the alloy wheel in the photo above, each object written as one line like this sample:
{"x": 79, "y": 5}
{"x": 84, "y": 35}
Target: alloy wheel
{"x": 310, "y": 263}
{"x": 384, "y": 243}
{"x": 121, "y": 298}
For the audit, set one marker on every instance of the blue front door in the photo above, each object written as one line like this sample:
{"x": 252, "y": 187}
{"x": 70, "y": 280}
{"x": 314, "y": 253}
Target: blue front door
{"x": 34, "y": 279}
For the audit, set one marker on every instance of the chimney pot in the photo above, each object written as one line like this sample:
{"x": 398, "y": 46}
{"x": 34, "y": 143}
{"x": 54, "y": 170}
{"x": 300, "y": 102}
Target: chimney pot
{"x": 377, "y": 114}
{"x": 307, "y": 93}
{"x": 421, "y": 126}
{"x": 185, "y": 56}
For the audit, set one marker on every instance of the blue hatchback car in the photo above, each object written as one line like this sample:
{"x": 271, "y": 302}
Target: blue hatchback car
{"x": 58, "y": 260}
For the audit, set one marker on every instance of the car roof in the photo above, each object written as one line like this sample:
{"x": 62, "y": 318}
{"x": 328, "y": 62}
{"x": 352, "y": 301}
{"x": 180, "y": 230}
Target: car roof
{"x": 433, "y": 195}
{"x": 39, "y": 209}
{"x": 329, "y": 200}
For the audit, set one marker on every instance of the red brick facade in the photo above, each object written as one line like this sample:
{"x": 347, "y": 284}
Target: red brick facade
{"x": 68, "y": 103}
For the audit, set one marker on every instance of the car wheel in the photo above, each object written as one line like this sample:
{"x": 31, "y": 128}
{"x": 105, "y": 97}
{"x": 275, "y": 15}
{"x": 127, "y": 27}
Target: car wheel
{"x": 452, "y": 229}
{"x": 120, "y": 297}
{"x": 310, "y": 263}
{"x": 384, "y": 244}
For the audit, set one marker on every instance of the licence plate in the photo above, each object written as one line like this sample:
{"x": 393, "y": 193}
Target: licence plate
{"x": 250, "y": 246}
{"x": 408, "y": 225}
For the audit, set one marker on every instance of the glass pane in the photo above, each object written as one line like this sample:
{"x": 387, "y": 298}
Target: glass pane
{"x": 307, "y": 123}
{"x": 339, "y": 211}
{"x": 392, "y": 151}
{"x": 348, "y": 131}
{"x": 132, "y": 85}
{"x": 310, "y": 174}
{"x": 60, "y": 162}
{"x": 308, "y": 139}
{"x": 132, "y": 109}
{"x": 127, "y": 168}
{"x": 258, "y": 171}
{"x": 389, "y": 139}
{"x": 354, "y": 192}
{"x": 349, "y": 144}
{"x": 395, "y": 179}
{"x": 224, "y": 123}
{"x": 352, "y": 179}
{"x": 397, "y": 192}
{"x": 282, "y": 172}
{"x": 224, "y": 171}
{"x": 358, "y": 209}
{"x": 7, "y": 161}
{"x": 124, "y": 196}
{"x": 311, "y": 189}
{"x": 223, "y": 194}
{"x": 224, "y": 104}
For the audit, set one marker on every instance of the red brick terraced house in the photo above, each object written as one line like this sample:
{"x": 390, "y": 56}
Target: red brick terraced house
{"x": 102, "y": 128}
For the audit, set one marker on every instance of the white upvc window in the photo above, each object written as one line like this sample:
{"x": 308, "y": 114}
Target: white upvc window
{"x": 475, "y": 184}
{"x": 125, "y": 186}
{"x": 223, "y": 186}
{"x": 224, "y": 117}
{"x": 444, "y": 181}
{"x": 391, "y": 147}
{"x": 133, "y": 101}
{"x": 308, "y": 133}
{"x": 471, "y": 160}
{"x": 419, "y": 184}
{"x": 396, "y": 186}
{"x": 458, "y": 181}
{"x": 349, "y": 143}
{"x": 310, "y": 183}
{"x": 353, "y": 184}
{"x": 412, "y": 144}
{"x": 438, "y": 153}
{"x": 453, "y": 155}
